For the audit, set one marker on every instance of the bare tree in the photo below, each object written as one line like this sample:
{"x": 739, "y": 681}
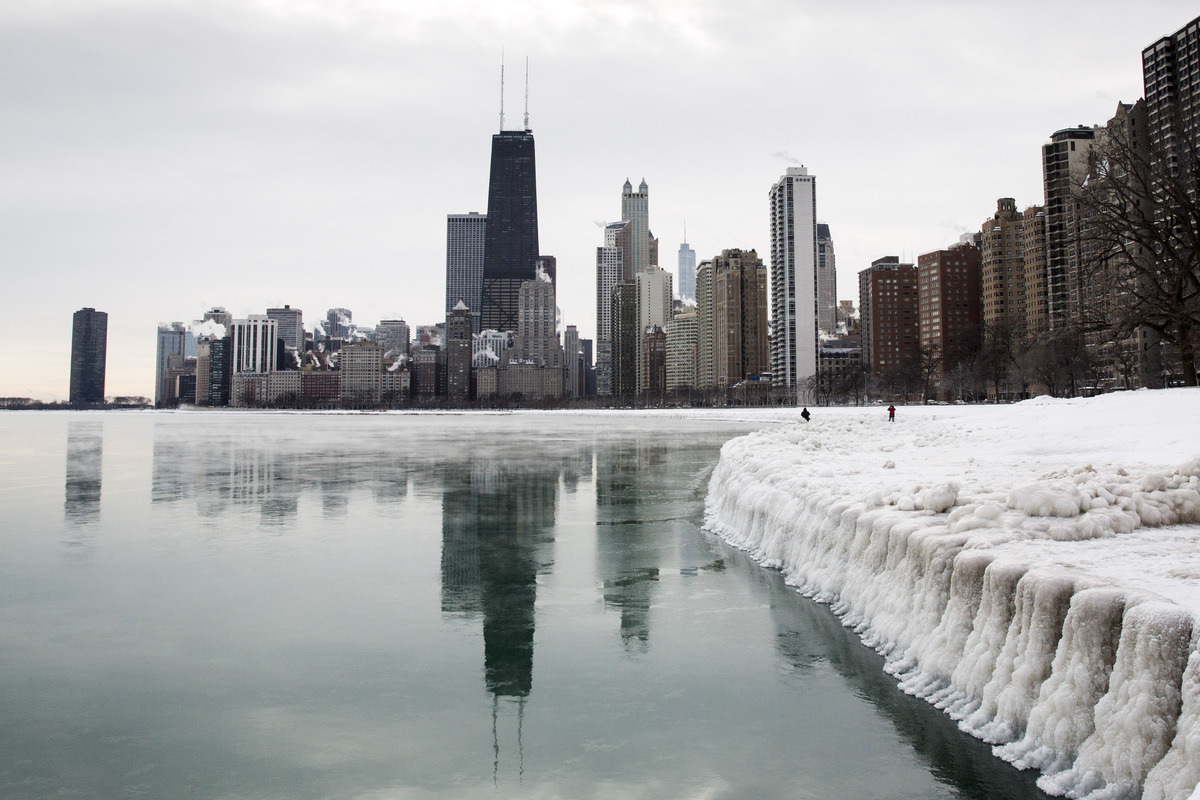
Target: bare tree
{"x": 1141, "y": 217}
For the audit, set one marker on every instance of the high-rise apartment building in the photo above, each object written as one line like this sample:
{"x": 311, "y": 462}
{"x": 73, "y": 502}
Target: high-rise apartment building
{"x": 682, "y": 340}
{"x": 89, "y": 347}
{"x": 253, "y": 344}
{"x": 948, "y": 301}
{"x": 826, "y": 282}
{"x": 1171, "y": 75}
{"x": 890, "y": 314}
{"x": 687, "y": 273}
{"x": 794, "y": 257}
{"x": 465, "y": 235}
{"x": 740, "y": 345}
{"x": 289, "y": 325}
{"x": 705, "y": 324}
{"x": 1002, "y": 266}
{"x": 1065, "y": 164}
{"x": 510, "y": 249}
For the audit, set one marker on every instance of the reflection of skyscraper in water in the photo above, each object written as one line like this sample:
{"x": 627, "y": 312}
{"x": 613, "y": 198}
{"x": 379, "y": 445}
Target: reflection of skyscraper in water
{"x": 85, "y": 454}
{"x": 496, "y": 525}
{"x": 627, "y": 567}
{"x": 221, "y": 473}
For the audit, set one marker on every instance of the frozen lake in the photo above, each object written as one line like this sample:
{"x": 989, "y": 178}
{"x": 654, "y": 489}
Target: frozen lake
{"x": 220, "y": 605}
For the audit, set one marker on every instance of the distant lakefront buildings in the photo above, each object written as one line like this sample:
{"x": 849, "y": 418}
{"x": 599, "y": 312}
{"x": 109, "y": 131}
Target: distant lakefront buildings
{"x": 1028, "y": 303}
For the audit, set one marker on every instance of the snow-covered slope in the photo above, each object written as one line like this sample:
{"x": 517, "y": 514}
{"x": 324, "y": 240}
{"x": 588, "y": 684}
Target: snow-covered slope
{"x": 1033, "y": 570}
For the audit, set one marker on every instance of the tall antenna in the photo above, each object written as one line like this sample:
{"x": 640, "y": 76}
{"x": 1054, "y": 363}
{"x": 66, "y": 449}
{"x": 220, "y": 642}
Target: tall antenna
{"x": 502, "y": 90}
{"x": 526, "y": 92}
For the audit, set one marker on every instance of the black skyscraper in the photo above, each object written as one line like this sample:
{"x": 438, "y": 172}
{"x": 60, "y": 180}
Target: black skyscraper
{"x": 510, "y": 249}
{"x": 89, "y": 343}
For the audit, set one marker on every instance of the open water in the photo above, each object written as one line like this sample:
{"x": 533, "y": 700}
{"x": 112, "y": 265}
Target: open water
{"x": 244, "y": 605}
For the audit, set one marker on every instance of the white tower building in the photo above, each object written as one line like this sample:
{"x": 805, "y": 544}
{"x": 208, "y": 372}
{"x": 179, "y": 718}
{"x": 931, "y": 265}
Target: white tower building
{"x": 794, "y": 280}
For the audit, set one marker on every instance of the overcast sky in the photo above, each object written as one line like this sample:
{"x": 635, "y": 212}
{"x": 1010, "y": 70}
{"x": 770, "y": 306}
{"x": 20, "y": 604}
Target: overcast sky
{"x": 163, "y": 156}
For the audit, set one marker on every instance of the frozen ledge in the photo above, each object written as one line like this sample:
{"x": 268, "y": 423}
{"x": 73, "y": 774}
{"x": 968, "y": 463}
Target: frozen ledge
{"x": 1034, "y": 570}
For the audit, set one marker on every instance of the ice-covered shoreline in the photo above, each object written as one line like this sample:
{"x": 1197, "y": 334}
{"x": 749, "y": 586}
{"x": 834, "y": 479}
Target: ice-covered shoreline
{"x": 1033, "y": 570}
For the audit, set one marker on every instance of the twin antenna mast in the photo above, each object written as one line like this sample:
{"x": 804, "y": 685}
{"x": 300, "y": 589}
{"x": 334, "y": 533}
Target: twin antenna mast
{"x": 502, "y": 91}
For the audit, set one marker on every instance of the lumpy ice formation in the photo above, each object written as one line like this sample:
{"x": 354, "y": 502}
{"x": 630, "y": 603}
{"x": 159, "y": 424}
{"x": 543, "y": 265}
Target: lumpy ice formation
{"x": 1032, "y": 570}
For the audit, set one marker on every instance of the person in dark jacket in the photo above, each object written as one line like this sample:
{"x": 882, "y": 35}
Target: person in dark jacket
{"x": 805, "y": 414}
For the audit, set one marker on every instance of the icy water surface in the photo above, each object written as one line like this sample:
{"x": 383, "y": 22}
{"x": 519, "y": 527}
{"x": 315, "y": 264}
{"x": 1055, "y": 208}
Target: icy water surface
{"x": 239, "y": 605}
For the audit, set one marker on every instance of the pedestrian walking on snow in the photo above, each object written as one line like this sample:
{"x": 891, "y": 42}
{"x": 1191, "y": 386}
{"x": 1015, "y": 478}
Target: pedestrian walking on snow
{"x": 891, "y": 413}
{"x": 805, "y": 414}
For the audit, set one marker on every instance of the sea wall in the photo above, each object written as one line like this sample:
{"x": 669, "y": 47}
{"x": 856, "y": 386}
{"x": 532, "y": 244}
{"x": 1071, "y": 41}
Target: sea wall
{"x": 981, "y": 600}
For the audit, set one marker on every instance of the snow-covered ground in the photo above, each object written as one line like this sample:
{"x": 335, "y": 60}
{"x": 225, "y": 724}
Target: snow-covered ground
{"x": 1034, "y": 569}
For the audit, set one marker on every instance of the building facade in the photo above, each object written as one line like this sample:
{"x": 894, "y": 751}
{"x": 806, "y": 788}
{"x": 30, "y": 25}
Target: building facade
{"x": 1002, "y": 268}
{"x": 361, "y": 368}
{"x": 948, "y": 306}
{"x": 793, "y": 205}
{"x": 458, "y": 353}
{"x": 289, "y": 325}
{"x": 826, "y": 282}
{"x": 89, "y": 348}
{"x": 687, "y": 273}
{"x": 682, "y": 339}
{"x": 465, "y": 236}
{"x": 510, "y": 248}
{"x": 889, "y": 309}
{"x": 740, "y": 344}
{"x": 254, "y": 344}
{"x": 174, "y": 339}
{"x": 1065, "y": 164}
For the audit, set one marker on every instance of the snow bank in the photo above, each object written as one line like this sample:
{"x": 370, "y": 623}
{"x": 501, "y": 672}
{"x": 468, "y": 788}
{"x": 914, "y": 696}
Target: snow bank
{"x": 1033, "y": 570}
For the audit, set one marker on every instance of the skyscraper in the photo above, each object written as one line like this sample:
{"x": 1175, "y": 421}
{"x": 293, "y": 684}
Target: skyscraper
{"x": 1065, "y": 163}
{"x": 826, "y": 281}
{"x": 635, "y": 207}
{"x": 253, "y": 347}
{"x": 173, "y": 340}
{"x": 458, "y": 353}
{"x": 1171, "y": 74}
{"x": 610, "y": 269}
{"x": 510, "y": 248}
{"x": 653, "y": 311}
{"x": 465, "y": 235}
{"x": 889, "y": 307}
{"x": 687, "y": 272}
{"x": 89, "y": 345}
{"x": 794, "y": 279}
{"x": 290, "y": 324}
{"x": 740, "y": 310}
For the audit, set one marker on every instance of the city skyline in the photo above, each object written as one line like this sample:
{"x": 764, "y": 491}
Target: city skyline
{"x": 155, "y": 185}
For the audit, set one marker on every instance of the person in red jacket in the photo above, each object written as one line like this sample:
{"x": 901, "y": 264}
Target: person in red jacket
{"x": 891, "y": 413}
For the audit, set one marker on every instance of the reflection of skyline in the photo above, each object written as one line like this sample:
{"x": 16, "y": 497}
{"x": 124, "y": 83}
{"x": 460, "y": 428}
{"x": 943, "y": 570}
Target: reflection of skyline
{"x": 259, "y": 473}
{"x": 496, "y": 534}
{"x": 627, "y": 568}
{"x": 85, "y": 456}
